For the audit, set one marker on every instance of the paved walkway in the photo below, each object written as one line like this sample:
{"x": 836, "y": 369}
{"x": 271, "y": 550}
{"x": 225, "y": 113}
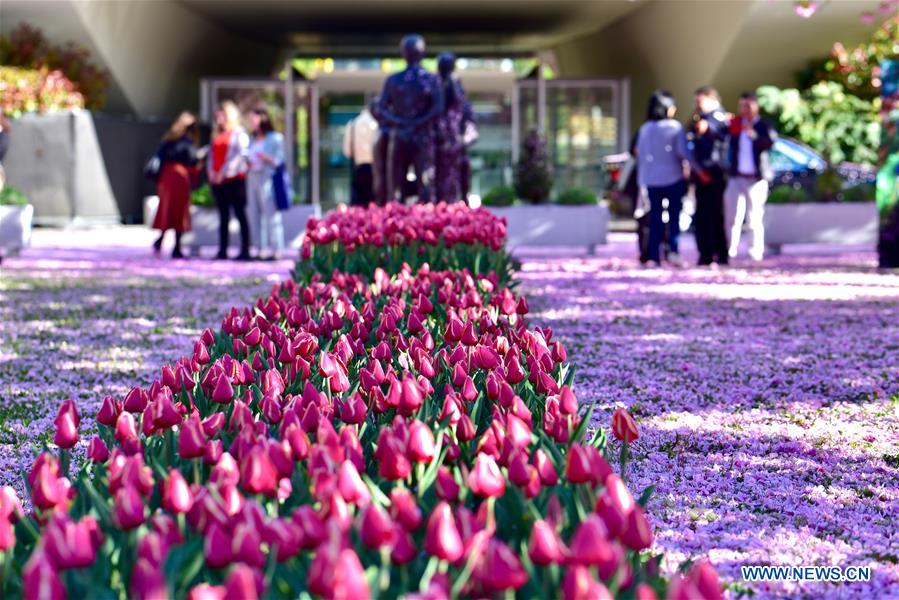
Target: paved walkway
{"x": 767, "y": 395}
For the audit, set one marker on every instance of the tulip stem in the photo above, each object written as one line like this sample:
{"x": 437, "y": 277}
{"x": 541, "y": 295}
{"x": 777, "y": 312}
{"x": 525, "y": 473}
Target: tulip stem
{"x": 622, "y": 461}
{"x": 197, "y": 479}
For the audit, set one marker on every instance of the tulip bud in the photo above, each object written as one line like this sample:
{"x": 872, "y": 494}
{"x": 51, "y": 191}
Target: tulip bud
{"x": 442, "y": 537}
{"x": 223, "y": 393}
{"x": 351, "y": 486}
{"x": 544, "y": 546}
{"x": 500, "y": 569}
{"x": 445, "y": 485}
{"x": 129, "y": 508}
{"x": 109, "y": 411}
{"x": 204, "y": 591}
{"x": 421, "y": 443}
{"x": 590, "y": 545}
{"x": 40, "y": 579}
{"x": 243, "y": 583}
{"x": 623, "y": 426}
{"x": 486, "y": 479}
{"x": 376, "y": 529}
{"x": 66, "y": 429}
{"x": 704, "y": 578}
{"x": 191, "y": 439}
{"x": 580, "y": 585}
{"x": 614, "y": 505}
{"x": 136, "y": 400}
{"x": 257, "y": 473}
{"x": 147, "y": 581}
{"x": 404, "y": 509}
{"x": 637, "y": 534}
{"x": 97, "y": 451}
{"x": 176, "y": 495}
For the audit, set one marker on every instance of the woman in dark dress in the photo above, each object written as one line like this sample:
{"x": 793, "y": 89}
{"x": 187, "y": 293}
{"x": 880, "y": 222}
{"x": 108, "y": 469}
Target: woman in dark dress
{"x": 178, "y": 155}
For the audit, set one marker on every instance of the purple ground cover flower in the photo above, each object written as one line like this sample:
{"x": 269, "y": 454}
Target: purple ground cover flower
{"x": 767, "y": 399}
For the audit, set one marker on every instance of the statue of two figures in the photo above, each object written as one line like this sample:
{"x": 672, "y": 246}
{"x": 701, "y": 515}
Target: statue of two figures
{"x": 424, "y": 118}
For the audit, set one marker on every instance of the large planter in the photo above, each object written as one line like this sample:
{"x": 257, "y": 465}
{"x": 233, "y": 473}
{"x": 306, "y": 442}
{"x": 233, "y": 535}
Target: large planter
{"x": 205, "y": 225}
{"x": 555, "y": 225}
{"x": 15, "y": 228}
{"x": 820, "y": 223}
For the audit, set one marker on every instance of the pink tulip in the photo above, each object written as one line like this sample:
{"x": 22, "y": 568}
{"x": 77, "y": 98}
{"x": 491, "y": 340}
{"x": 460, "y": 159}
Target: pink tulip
{"x": 176, "y": 495}
{"x": 579, "y": 584}
{"x": 404, "y": 509}
{"x": 500, "y": 569}
{"x": 148, "y": 581}
{"x": 97, "y": 451}
{"x": 624, "y": 427}
{"x": 257, "y": 473}
{"x": 376, "y": 528}
{"x": 544, "y": 546}
{"x": 109, "y": 411}
{"x": 243, "y": 583}
{"x": 486, "y": 479}
{"x": 204, "y": 591}
{"x": 637, "y": 534}
{"x": 40, "y": 579}
{"x": 705, "y": 579}
{"x": 445, "y": 485}
{"x": 590, "y": 545}
{"x": 614, "y": 505}
{"x": 191, "y": 438}
{"x": 136, "y": 400}
{"x": 66, "y": 428}
{"x": 421, "y": 443}
{"x": 128, "y": 509}
{"x": 351, "y": 486}
{"x": 223, "y": 392}
{"x": 442, "y": 537}
{"x": 217, "y": 547}
{"x": 71, "y": 545}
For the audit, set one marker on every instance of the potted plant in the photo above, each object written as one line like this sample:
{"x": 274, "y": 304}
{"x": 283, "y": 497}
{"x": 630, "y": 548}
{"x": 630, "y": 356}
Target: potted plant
{"x": 831, "y": 214}
{"x": 576, "y": 217}
{"x": 16, "y": 217}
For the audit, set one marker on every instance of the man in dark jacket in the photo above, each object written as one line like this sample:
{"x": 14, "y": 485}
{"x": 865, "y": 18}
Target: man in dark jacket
{"x": 750, "y": 138}
{"x": 707, "y": 134}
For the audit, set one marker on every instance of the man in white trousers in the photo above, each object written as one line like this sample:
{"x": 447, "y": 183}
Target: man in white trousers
{"x": 750, "y": 139}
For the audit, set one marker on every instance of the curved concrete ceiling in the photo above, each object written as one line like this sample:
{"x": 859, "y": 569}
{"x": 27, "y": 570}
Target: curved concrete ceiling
{"x": 358, "y": 27}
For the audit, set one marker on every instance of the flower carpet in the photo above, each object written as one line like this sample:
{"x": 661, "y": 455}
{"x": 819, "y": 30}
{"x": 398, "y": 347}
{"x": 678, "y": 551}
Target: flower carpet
{"x": 765, "y": 396}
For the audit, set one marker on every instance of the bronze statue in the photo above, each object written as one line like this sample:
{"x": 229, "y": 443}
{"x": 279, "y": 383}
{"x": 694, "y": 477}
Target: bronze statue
{"x": 408, "y": 105}
{"x": 448, "y": 132}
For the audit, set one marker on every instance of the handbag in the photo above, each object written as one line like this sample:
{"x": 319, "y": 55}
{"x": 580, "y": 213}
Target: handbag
{"x": 281, "y": 188}
{"x": 153, "y": 167}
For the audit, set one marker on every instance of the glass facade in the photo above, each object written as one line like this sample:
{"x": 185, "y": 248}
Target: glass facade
{"x": 581, "y": 120}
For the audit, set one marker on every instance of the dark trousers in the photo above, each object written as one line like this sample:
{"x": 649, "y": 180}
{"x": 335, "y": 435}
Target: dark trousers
{"x": 232, "y": 195}
{"x": 708, "y": 222}
{"x": 675, "y": 194}
{"x": 417, "y": 151}
{"x": 379, "y": 169}
{"x": 362, "y": 185}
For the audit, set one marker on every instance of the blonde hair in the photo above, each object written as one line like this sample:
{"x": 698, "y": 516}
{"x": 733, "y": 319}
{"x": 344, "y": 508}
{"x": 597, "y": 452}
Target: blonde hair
{"x": 180, "y": 127}
{"x": 232, "y": 115}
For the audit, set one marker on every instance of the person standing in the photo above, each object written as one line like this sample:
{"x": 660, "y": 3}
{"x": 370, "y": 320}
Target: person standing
{"x": 750, "y": 139}
{"x": 358, "y": 146}
{"x": 266, "y": 153}
{"x": 226, "y": 167}
{"x": 707, "y": 135}
{"x": 177, "y": 173}
{"x": 661, "y": 153}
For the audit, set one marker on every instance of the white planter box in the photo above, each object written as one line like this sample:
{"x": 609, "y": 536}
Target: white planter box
{"x": 820, "y": 223}
{"x": 555, "y": 225}
{"x": 205, "y": 225}
{"x": 15, "y": 228}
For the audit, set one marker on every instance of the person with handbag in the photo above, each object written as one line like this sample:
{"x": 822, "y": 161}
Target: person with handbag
{"x": 226, "y": 168}
{"x": 266, "y": 155}
{"x": 177, "y": 172}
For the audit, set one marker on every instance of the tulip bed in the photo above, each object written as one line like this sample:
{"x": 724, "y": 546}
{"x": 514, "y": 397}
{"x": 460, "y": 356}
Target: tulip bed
{"x": 396, "y": 433}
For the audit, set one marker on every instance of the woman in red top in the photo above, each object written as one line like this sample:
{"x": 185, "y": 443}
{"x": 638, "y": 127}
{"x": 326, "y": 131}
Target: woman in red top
{"x": 226, "y": 167}
{"x": 178, "y": 155}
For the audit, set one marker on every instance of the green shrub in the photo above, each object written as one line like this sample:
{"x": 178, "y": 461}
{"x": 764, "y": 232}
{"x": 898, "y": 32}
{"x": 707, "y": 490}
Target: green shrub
{"x": 787, "y": 194}
{"x": 10, "y": 196}
{"x": 502, "y": 195}
{"x": 577, "y": 197}
{"x": 863, "y": 192}
{"x": 202, "y": 196}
